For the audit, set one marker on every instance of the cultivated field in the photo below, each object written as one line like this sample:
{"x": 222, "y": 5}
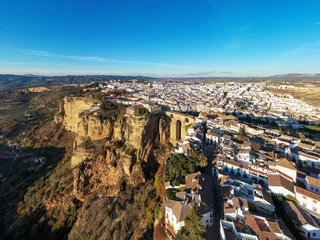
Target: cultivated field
{"x": 308, "y": 92}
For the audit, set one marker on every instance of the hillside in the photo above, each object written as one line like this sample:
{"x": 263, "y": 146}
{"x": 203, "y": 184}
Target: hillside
{"x": 104, "y": 184}
{"x": 9, "y": 81}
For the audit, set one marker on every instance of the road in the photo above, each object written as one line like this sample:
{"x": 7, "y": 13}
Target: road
{"x": 14, "y": 153}
{"x": 214, "y": 233}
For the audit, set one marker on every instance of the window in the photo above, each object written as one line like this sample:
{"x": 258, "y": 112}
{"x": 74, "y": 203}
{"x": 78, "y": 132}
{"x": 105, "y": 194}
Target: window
{"x": 315, "y": 201}
{"x": 314, "y": 234}
{"x": 304, "y": 197}
{"x": 314, "y": 209}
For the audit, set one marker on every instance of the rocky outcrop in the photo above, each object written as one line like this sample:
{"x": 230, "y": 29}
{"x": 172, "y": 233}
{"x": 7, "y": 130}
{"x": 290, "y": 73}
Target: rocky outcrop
{"x": 106, "y": 190}
{"x": 70, "y": 109}
{"x": 94, "y": 128}
{"x": 140, "y": 133}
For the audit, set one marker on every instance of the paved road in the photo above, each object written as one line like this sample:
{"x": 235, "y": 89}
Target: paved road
{"x": 14, "y": 158}
{"x": 217, "y": 209}
{"x": 14, "y": 152}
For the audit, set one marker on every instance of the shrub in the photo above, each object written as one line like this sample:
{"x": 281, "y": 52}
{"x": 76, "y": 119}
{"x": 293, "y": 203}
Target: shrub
{"x": 171, "y": 193}
{"x": 175, "y": 182}
{"x": 292, "y": 199}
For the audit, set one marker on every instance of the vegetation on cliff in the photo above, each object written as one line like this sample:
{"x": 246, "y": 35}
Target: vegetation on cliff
{"x": 114, "y": 193}
{"x": 193, "y": 228}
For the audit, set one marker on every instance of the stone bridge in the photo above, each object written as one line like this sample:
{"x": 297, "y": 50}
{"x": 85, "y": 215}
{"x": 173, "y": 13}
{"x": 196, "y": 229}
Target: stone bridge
{"x": 179, "y": 126}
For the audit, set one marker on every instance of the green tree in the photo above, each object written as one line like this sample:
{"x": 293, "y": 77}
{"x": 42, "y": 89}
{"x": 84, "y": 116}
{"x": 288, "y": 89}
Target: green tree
{"x": 171, "y": 193}
{"x": 193, "y": 228}
{"x": 292, "y": 198}
{"x": 192, "y": 153}
{"x": 280, "y": 131}
{"x": 301, "y": 136}
{"x": 241, "y": 131}
{"x": 203, "y": 161}
{"x": 180, "y": 165}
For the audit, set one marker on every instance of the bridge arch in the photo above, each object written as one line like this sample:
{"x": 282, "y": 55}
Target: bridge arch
{"x": 179, "y": 126}
{"x": 178, "y": 130}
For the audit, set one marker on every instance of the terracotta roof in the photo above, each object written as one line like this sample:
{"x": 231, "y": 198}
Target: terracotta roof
{"x": 313, "y": 181}
{"x": 308, "y": 155}
{"x": 179, "y": 210}
{"x": 213, "y": 134}
{"x": 226, "y": 136}
{"x": 304, "y": 145}
{"x": 284, "y": 175}
{"x": 274, "y": 226}
{"x": 277, "y": 180}
{"x": 246, "y": 144}
{"x": 233, "y": 162}
{"x": 200, "y": 184}
{"x": 247, "y": 151}
{"x": 262, "y": 225}
{"x": 286, "y": 164}
{"x": 228, "y": 207}
{"x": 181, "y": 196}
{"x": 308, "y": 193}
{"x": 259, "y": 228}
{"x": 252, "y": 224}
{"x": 243, "y": 202}
{"x": 267, "y": 235}
{"x": 297, "y": 214}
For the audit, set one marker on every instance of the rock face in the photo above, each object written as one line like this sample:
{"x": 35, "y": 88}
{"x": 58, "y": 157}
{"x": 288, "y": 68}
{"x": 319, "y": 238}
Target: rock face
{"x": 122, "y": 146}
{"x": 107, "y": 189}
{"x": 70, "y": 109}
{"x": 138, "y": 132}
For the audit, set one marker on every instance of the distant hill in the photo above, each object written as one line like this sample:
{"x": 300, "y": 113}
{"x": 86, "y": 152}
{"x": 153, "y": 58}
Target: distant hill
{"x": 296, "y": 76}
{"x": 9, "y": 81}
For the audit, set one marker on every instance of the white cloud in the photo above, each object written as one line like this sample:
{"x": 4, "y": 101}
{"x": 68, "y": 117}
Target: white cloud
{"x": 35, "y": 52}
{"x": 100, "y": 59}
{"x": 9, "y": 62}
{"x": 304, "y": 49}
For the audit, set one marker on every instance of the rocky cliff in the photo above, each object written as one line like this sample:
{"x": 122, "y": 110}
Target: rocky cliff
{"x": 139, "y": 133}
{"x": 104, "y": 187}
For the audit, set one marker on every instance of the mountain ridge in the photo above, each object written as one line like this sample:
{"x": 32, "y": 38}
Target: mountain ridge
{"x": 12, "y": 81}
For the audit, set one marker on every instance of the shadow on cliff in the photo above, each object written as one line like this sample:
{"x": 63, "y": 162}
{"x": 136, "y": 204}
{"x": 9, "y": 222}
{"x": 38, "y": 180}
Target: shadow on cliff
{"x": 150, "y": 142}
{"x": 21, "y": 174}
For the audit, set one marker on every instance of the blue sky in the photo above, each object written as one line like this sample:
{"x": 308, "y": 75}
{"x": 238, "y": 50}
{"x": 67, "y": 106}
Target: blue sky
{"x": 160, "y": 37}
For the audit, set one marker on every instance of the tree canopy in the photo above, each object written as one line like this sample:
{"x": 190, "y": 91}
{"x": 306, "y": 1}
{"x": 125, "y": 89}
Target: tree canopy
{"x": 193, "y": 228}
{"x": 203, "y": 161}
{"x": 180, "y": 165}
{"x": 241, "y": 131}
